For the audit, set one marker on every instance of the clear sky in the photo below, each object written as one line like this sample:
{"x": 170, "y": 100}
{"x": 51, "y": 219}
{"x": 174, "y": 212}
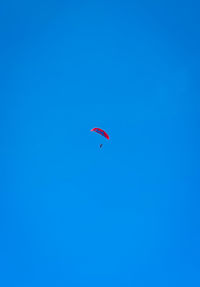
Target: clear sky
{"x": 72, "y": 214}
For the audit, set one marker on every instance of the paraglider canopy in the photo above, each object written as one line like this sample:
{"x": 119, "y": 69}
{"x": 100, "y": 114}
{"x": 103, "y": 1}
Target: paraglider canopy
{"x": 101, "y": 132}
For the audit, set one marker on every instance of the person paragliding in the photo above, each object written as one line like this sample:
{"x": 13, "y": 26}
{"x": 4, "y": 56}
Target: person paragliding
{"x": 101, "y": 132}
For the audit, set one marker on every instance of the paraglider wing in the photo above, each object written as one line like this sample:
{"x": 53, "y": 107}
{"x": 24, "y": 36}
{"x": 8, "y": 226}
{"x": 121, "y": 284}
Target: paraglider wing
{"x": 101, "y": 132}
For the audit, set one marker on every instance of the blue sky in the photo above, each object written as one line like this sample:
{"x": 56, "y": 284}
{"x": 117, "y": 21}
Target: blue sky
{"x": 72, "y": 214}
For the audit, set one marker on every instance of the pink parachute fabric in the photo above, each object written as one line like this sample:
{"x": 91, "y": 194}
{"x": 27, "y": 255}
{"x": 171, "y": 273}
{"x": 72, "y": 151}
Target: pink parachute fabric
{"x": 101, "y": 132}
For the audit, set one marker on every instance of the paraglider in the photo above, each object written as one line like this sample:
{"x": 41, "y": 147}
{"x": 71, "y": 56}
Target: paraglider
{"x": 101, "y": 132}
